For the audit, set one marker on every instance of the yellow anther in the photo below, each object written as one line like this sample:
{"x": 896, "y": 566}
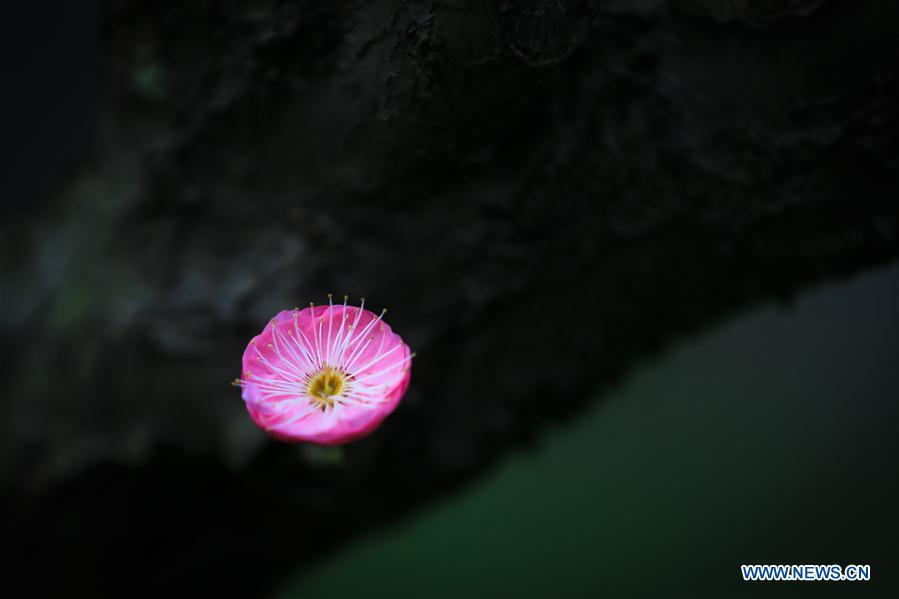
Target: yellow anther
{"x": 325, "y": 387}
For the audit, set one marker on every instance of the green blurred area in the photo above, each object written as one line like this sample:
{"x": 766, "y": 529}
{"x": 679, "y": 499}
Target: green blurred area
{"x": 772, "y": 439}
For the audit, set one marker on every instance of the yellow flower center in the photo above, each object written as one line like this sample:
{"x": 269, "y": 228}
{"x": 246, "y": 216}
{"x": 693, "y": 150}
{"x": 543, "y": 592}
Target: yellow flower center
{"x": 325, "y": 386}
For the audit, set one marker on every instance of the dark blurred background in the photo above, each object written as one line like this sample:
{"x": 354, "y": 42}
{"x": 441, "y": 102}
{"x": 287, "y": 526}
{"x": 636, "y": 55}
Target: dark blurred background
{"x": 645, "y": 250}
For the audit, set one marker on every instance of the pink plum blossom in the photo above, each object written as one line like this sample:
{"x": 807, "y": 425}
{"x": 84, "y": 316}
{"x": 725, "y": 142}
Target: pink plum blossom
{"x": 324, "y": 374}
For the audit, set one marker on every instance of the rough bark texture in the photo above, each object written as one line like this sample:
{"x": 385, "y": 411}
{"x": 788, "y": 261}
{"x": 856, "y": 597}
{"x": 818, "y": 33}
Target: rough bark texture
{"x": 543, "y": 193}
